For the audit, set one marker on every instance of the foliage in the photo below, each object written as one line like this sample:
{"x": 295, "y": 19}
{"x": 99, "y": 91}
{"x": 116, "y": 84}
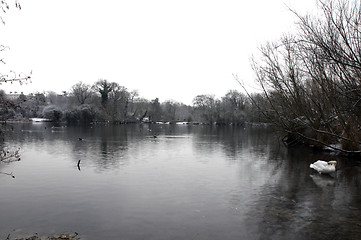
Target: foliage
{"x": 31, "y": 105}
{"x": 124, "y": 106}
{"x": 233, "y": 108}
{"x": 7, "y": 108}
{"x": 118, "y": 105}
{"x": 155, "y": 111}
{"x": 205, "y": 105}
{"x": 53, "y": 113}
{"x": 104, "y": 88}
{"x": 81, "y": 114}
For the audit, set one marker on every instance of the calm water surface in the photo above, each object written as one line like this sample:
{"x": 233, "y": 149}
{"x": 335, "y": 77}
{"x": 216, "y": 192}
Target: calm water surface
{"x": 191, "y": 182}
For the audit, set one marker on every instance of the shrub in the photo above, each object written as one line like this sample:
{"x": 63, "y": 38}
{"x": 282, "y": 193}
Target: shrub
{"x": 81, "y": 114}
{"x": 52, "y": 113}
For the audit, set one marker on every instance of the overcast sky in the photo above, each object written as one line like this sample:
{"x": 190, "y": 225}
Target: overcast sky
{"x": 173, "y": 50}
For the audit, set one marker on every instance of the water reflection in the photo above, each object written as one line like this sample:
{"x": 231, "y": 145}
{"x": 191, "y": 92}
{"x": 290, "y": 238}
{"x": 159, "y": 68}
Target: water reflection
{"x": 197, "y": 182}
{"x": 300, "y": 204}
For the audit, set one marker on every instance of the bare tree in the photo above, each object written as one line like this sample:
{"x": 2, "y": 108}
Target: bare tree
{"x": 129, "y": 111}
{"x": 81, "y": 91}
{"x": 233, "y": 107}
{"x": 311, "y": 79}
{"x": 119, "y": 97}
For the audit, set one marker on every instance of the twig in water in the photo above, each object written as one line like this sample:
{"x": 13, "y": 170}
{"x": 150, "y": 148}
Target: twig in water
{"x": 9, "y": 174}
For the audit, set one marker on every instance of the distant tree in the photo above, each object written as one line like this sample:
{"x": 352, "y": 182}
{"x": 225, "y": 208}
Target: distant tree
{"x": 255, "y": 108}
{"x": 81, "y": 91}
{"x": 130, "y": 106}
{"x": 141, "y": 108}
{"x": 233, "y": 107}
{"x": 119, "y": 100}
{"x": 53, "y": 113}
{"x": 59, "y": 100}
{"x": 169, "y": 109}
{"x": 104, "y": 88}
{"x": 206, "y": 105}
{"x": 155, "y": 112}
{"x": 22, "y": 97}
{"x": 32, "y": 105}
{"x": 82, "y": 114}
{"x": 7, "y": 107}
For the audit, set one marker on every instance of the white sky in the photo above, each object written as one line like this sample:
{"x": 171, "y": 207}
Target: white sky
{"x": 170, "y": 49}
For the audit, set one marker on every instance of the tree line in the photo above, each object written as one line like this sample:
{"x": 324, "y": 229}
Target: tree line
{"x": 106, "y": 101}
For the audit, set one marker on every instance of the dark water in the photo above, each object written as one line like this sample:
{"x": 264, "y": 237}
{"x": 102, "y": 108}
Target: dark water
{"x": 191, "y": 182}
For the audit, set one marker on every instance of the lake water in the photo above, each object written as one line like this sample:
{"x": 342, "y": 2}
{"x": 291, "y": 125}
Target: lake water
{"x": 190, "y": 182}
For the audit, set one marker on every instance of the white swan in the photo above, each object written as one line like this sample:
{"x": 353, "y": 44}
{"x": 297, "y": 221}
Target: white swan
{"x": 324, "y": 167}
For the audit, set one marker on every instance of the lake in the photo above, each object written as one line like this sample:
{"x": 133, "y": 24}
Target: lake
{"x": 190, "y": 182}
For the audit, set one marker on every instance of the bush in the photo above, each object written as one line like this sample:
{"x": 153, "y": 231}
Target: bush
{"x": 52, "y": 113}
{"x": 81, "y": 114}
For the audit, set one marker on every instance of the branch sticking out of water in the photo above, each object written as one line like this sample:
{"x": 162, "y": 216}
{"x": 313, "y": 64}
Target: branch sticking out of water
{"x": 9, "y": 174}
